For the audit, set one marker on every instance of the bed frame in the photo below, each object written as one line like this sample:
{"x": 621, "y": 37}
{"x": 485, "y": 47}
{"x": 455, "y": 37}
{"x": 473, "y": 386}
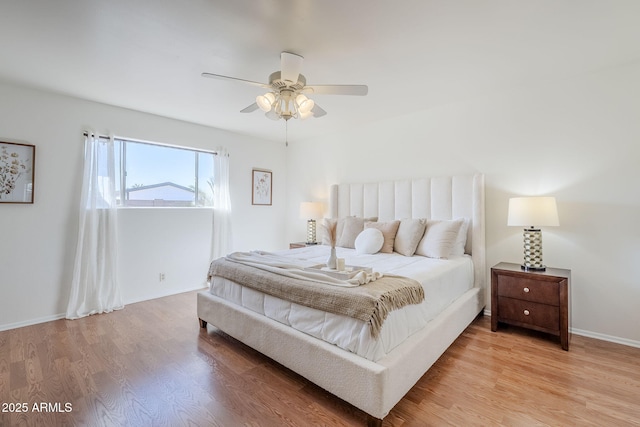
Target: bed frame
{"x": 379, "y": 385}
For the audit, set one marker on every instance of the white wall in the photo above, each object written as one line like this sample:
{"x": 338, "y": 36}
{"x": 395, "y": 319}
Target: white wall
{"x": 37, "y": 242}
{"x": 577, "y": 139}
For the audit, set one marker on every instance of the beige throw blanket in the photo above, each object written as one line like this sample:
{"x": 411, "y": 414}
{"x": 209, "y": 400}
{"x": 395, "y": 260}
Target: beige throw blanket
{"x": 297, "y": 268}
{"x": 370, "y": 303}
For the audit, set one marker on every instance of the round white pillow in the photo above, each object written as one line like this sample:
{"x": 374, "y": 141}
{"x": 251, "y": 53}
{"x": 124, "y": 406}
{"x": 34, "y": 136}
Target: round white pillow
{"x": 369, "y": 241}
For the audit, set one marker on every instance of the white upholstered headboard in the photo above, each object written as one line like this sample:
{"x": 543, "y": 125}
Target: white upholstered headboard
{"x": 444, "y": 197}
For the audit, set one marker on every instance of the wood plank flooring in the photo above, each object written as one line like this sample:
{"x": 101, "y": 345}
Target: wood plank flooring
{"x": 151, "y": 365}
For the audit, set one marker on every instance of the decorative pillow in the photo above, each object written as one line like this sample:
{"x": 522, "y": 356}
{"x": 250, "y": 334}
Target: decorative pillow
{"x": 352, "y": 227}
{"x": 461, "y": 239}
{"x": 389, "y": 230}
{"x": 369, "y": 241}
{"x": 439, "y": 238}
{"x": 409, "y": 235}
{"x": 338, "y": 226}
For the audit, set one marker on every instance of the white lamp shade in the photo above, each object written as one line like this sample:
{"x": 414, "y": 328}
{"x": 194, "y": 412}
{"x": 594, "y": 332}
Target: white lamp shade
{"x": 272, "y": 115}
{"x": 304, "y": 104}
{"x": 533, "y": 212}
{"x": 265, "y": 101}
{"x": 306, "y": 115}
{"x": 310, "y": 210}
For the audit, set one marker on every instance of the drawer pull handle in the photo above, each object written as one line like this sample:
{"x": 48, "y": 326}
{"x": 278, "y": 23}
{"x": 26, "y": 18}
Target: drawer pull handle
{"x": 526, "y": 312}
{"x": 526, "y": 290}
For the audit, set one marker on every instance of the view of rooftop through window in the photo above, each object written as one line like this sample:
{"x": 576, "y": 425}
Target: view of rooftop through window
{"x": 158, "y": 175}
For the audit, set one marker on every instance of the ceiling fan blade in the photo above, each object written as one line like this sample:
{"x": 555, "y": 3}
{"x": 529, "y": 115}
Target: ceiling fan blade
{"x": 220, "y": 77}
{"x": 358, "y": 90}
{"x": 250, "y": 108}
{"x": 290, "y": 66}
{"x": 317, "y": 111}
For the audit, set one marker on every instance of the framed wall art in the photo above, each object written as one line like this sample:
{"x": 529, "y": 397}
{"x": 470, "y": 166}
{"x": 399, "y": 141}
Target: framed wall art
{"x": 17, "y": 166}
{"x": 261, "y": 182}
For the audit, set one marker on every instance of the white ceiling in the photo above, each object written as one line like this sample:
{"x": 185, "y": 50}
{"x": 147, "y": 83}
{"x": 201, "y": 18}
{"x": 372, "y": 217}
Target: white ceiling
{"x": 147, "y": 55}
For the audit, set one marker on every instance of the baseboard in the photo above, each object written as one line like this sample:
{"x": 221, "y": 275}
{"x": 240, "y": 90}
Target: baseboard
{"x": 30, "y": 322}
{"x": 604, "y": 337}
{"x": 59, "y": 316}
{"x": 595, "y": 335}
{"x": 167, "y": 293}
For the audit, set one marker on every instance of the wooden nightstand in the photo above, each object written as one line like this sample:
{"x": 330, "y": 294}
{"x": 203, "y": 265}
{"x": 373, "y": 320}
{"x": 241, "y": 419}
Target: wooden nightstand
{"x": 536, "y": 300}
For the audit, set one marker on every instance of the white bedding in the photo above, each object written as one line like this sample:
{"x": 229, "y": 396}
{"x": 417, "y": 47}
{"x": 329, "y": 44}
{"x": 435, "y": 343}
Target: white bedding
{"x": 443, "y": 281}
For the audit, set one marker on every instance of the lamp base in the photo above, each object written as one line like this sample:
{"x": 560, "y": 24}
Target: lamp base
{"x": 532, "y": 250}
{"x": 311, "y": 232}
{"x": 533, "y": 268}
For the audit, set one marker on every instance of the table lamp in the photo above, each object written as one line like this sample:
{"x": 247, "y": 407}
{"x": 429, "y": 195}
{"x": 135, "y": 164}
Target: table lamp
{"x": 533, "y": 212}
{"x": 310, "y": 211}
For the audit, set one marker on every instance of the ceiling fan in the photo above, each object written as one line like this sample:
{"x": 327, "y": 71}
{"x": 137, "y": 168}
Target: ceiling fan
{"x": 287, "y": 95}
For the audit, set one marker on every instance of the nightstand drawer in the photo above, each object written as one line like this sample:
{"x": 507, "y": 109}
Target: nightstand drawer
{"x": 529, "y": 313}
{"x": 528, "y": 290}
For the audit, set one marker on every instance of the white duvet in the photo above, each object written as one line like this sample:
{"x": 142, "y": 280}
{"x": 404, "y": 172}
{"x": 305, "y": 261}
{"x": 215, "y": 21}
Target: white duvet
{"x": 443, "y": 281}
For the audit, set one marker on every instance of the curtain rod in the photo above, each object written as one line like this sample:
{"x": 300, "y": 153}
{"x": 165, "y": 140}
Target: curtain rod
{"x": 85, "y": 133}
{"x": 215, "y": 153}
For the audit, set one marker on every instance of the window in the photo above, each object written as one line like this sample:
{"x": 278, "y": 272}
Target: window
{"x": 160, "y": 175}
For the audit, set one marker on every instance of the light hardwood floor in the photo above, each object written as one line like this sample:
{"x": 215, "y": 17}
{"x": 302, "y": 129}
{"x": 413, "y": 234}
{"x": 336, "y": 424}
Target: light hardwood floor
{"x": 151, "y": 365}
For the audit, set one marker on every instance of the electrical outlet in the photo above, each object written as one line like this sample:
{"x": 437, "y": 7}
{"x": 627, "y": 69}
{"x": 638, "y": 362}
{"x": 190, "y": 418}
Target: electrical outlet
{"x": 161, "y": 277}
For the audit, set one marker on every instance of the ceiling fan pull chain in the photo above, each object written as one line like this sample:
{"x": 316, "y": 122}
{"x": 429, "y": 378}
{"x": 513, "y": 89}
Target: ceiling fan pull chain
{"x": 286, "y": 133}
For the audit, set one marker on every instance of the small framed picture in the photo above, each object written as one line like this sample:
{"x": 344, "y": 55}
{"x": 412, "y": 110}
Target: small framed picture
{"x": 17, "y": 166}
{"x": 261, "y": 182}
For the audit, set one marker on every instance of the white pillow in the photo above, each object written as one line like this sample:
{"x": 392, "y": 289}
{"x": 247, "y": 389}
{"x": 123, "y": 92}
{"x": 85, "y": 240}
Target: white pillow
{"x": 461, "y": 239}
{"x": 369, "y": 241}
{"x": 439, "y": 238}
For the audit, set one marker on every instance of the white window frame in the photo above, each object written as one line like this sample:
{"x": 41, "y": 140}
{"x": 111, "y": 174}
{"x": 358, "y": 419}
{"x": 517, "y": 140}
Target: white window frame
{"x": 123, "y": 201}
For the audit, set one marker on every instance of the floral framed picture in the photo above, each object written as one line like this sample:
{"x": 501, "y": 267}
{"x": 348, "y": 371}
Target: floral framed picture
{"x": 261, "y": 182}
{"x": 17, "y": 166}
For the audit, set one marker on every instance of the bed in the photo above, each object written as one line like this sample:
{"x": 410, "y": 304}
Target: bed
{"x": 373, "y": 374}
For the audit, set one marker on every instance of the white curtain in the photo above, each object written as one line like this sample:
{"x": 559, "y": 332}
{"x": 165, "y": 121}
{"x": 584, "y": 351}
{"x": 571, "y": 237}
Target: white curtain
{"x": 94, "y": 288}
{"x": 221, "y": 234}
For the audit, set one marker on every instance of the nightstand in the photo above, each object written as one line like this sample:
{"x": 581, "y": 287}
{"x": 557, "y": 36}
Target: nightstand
{"x": 296, "y": 245}
{"x": 536, "y": 300}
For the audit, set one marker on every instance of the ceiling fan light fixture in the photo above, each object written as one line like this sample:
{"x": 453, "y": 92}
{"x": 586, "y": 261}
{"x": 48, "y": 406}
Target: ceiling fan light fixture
{"x": 285, "y": 99}
{"x": 265, "y": 101}
{"x": 285, "y": 105}
{"x": 271, "y": 114}
{"x": 304, "y": 104}
{"x": 305, "y": 115}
